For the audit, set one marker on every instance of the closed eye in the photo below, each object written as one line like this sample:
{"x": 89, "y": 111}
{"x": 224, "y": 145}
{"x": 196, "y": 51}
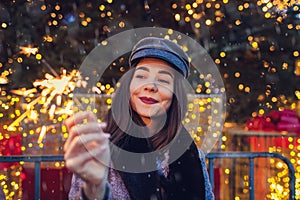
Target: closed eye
{"x": 139, "y": 76}
{"x": 164, "y": 81}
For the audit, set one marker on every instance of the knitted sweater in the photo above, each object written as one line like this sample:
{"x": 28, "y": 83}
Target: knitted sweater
{"x": 187, "y": 178}
{"x": 117, "y": 189}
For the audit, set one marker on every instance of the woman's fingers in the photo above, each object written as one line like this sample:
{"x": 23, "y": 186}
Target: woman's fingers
{"x": 76, "y": 163}
{"x": 80, "y": 117}
{"x": 84, "y": 129}
{"x": 85, "y": 142}
{"x": 87, "y": 147}
{"x": 82, "y": 123}
{"x": 90, "y": 127}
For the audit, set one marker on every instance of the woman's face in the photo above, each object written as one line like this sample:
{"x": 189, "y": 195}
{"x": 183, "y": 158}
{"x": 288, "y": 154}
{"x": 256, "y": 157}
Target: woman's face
{"x": 151, "y": 88}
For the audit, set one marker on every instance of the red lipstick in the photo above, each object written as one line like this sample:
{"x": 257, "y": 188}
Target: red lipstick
{"x": 148, "y": 100}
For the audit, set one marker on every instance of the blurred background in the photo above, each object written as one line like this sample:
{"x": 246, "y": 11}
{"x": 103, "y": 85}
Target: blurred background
{"x": 255, "y": 45}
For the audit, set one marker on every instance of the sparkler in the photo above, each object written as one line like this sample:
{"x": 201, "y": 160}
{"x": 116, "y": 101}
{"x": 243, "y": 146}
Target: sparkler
{"x": 53, "y": 88}
{"x": 3, "y": 77}
{"x": 28, "y": 50}
{"x": 3, "y": 80}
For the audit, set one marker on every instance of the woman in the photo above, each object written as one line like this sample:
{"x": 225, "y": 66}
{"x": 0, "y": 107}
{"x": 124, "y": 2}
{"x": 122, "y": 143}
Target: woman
{"x": 146, "y": 116}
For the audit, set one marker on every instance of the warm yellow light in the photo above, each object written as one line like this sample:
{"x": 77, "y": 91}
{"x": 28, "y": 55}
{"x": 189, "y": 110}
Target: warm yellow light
{"x": 264, "y": 9}
{"x": 53, "y": 15}
{"x": 297, "y": 93}
{"x": 240, "y": 86}
{"x": 224, "y": 138}
{"x": 38, "y": 56}
{"x": 238, "y": 22}
{"x": 217, "y": 61}
{"x": 57, "y": 7}
{"x": 84, "y": 23}
{"x": 227, "y": 171}
{"x": 290, "y": 26}
{"x": 268, "y": 15}
{"x": 218, "y": 19}
{"x": 247, "y": 89}
{"x": 279, "y": 165}
{"x": 48, "y": 38}
{"x": 102, "y": 7}
{"x": 54, "y": 22}
{"x": 269, "y": 5}
{"x": 208, "y": 5}
{"x": 208, "y": 22}
{"x": 43, "y": 7}
{"x": 222, "y": 54}
{"x": 177, "y": 17}
{"x": 254, "y": 45}
{"x": 188, "y": 6}
{"x": 285, "y": 66}
{"x": 261, "y": 111}
{"x": 274, "y": 99}
{"x": 19, "y": 60}
{"x": 297, "y": 67}
{"x": 207, "y": 84}
{"x": 187, "y": 19}
{"x": 272, "y": 48}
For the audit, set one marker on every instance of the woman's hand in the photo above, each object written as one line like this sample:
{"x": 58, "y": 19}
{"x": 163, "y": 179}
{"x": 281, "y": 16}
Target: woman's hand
{"x": 87, "y": 152}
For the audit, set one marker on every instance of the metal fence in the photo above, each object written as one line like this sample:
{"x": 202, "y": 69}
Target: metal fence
{"x": 251, "y": 156}
{"x": 37, "y": 160}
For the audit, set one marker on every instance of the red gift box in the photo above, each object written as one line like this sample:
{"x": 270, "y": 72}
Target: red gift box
{"x": 286, "y": 120}
{"x": 260, "y": 123}
{"x": 10, "y": 146}
{"x": 275, "y": 121}
{"x": 55, "y": 183}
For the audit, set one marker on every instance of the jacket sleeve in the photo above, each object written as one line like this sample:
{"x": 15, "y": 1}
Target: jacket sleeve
{"x": 76, "y": 191}
{"x": 209, "y": 195}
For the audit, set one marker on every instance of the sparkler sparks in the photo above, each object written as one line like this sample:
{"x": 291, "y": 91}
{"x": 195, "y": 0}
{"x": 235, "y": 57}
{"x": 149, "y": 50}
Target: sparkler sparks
{"x": 3, "y": 80}
{"x": 51, "y": 88}
{"x": 3, "y": 77}
{"x": 28, "y": 50}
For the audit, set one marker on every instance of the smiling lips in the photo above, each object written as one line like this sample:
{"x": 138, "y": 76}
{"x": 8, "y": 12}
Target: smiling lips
{"x": 148, "y": 100}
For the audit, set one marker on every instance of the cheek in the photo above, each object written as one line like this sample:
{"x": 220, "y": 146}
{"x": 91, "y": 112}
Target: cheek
{"x": 132, "y": 97}
{"x": 167, "y": 97}
{"x": 133, "y": 87}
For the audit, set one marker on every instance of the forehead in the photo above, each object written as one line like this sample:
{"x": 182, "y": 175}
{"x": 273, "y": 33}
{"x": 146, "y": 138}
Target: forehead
{"x": 155, "y": 64}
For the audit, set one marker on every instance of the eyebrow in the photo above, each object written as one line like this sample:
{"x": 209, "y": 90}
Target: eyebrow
{"x": 160, "y": 71}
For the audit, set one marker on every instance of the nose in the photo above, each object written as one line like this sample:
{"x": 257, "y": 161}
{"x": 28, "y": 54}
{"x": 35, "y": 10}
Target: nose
{"x": 151, "y": 87}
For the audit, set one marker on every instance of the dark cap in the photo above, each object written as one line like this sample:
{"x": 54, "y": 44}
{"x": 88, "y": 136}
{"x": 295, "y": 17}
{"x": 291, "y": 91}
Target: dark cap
{"x": 152, "y": 47}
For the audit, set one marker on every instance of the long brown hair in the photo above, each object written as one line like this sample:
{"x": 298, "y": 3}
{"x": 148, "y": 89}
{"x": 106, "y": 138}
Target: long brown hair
{"x": 118, "y": 121}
